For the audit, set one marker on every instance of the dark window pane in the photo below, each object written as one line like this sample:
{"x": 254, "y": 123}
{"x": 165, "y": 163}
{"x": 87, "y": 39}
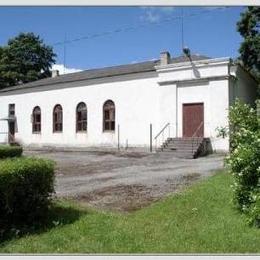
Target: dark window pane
{"x": 57, "y": 119}
{"x": 38, "y": 118}
{"x": 106, "y": 114}
{"x": 109, "y": 115}
{"x": 36, "y": 127}
{"x": 84, "y": 126}
{"x": 112, "y": 125}
{"x": 84, "y": 115}
{"x": 112, "y": 116}
{"x": 106, "y": 125}
{"x": 58, "y": 127}
{"x": 11, "y": 109}
{"x": 81, "y": 107}
{"x": 79, "y": 116}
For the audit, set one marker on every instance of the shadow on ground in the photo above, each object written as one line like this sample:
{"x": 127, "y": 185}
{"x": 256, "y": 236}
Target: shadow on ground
{"x": 58, "y": 215}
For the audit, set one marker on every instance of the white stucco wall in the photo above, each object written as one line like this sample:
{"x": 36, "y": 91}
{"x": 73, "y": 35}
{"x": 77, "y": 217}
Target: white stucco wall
{"x": 151, "y": 98}
{"x": 244, "y": 87}
{"x": 200, "y": 83}
{"x": 136, "y": 107}
{"x": 214, "y": 96}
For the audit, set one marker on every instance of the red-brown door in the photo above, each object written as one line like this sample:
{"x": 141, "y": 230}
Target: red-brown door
{"x": 193, "y": 120}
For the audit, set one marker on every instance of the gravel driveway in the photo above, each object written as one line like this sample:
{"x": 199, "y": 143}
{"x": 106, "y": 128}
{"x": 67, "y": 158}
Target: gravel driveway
{"x": 125, "y": 181}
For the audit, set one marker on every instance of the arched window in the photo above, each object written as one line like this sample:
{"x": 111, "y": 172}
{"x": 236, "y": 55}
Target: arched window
{"x": 109, "y": 116}
{"x": 36, "y": 120}
{"x": 81, "y": 117}
{"x": 57, "y": 118}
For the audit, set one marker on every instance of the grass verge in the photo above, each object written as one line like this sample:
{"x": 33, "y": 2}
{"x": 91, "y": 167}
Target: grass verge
{"x": 198, "y": 220}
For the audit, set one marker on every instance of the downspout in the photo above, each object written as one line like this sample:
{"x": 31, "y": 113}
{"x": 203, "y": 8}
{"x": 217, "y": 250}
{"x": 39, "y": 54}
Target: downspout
{"x": 176, "y": 110}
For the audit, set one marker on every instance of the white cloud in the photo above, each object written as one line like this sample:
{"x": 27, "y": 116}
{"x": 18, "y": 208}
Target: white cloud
{"x": 154, "y": 14}
{"x": 150, "y": 17}
{"x": 64, "y": 70}
{"x": 145, "y": 59}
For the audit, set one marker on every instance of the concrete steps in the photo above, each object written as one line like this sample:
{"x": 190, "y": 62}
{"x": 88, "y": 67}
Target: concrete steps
{"x": 188, "y": 148}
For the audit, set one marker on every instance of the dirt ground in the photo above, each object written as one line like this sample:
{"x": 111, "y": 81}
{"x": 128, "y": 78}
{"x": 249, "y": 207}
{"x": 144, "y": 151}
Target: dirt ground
{"x": 125, "y": 181}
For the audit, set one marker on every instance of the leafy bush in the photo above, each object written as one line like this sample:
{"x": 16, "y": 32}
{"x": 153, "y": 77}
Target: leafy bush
{"x": 244, "y": 159}
{"x": 26, "y": 187}
{"x": 10, "y": 151}
{"x": 243, "y": 124}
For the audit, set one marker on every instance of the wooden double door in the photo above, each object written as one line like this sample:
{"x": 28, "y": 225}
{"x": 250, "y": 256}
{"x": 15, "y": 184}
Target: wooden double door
{"x": 193, "y": 120}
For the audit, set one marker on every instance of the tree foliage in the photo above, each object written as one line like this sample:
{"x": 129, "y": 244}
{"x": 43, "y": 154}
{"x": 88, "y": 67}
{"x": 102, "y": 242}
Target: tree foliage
{"x": 249, "y": 28}
{"x": 244, "y": 159}
{"x": 25, "y": 58}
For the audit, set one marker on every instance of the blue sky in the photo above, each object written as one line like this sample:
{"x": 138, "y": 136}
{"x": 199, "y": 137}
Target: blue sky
{"x": 208, "y": 30}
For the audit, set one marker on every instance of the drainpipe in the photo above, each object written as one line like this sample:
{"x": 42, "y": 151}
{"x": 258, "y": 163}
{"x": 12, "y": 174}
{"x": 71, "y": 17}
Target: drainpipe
{"x": 118, "y": 137}
{"x": 176, "y": 110}
{"x": 151, "y": 138}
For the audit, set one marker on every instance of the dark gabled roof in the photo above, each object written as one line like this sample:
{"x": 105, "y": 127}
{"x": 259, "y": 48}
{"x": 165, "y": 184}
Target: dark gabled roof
{"x": 146, "y": 66}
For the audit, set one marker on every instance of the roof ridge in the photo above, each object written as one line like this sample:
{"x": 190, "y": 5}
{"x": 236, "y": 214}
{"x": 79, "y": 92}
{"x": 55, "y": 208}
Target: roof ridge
{"x": 103, "y": 72}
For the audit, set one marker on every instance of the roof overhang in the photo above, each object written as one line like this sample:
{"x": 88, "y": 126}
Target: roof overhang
{"x": 199, "y": 80}
{"x": 189, "y": 64}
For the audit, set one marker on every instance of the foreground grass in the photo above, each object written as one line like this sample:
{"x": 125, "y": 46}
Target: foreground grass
{"x": 199, "y": 220}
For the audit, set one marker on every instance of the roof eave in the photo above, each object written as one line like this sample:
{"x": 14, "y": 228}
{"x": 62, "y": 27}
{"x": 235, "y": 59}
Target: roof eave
{"x": 188, "y": 64}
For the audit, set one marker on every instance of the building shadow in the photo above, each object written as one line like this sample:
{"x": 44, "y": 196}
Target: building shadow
{"x": 195, "y": 70}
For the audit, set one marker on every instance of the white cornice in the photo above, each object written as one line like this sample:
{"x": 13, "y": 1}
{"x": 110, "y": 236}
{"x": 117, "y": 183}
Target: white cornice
{"x": 188, "y": 64}
{"x": 194, "y": 80}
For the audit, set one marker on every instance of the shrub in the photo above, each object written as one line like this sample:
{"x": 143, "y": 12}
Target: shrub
{"x": 26, "y": 187}
{"x": 10, "y": 151}
{"x": 244, "y": 159}
{"x": 242, "y": 123}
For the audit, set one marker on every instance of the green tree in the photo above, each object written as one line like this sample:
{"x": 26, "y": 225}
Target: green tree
{"x": 249, "y": 28}
{"x": 25, "y": 58}
{"x": 244, "y": 159}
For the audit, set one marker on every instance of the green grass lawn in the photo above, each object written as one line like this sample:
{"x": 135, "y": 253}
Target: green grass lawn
{"x": 201, "y": 219}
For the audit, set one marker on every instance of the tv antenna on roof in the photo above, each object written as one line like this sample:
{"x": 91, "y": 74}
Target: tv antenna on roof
{"x": 64, "y": 54}
{"x": 185, "y": 49}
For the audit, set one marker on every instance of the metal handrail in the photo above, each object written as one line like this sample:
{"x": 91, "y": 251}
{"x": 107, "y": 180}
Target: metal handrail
{"x": 193, "y": 136}
{"x": 200, "y": 125}
{"x": 161, "y": 131}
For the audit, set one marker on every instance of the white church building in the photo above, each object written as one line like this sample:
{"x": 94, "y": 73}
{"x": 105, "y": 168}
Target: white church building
{"x": 134, "y": 105}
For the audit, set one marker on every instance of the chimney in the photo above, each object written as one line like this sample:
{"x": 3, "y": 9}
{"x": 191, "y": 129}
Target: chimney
{"x": 165, "y": 57}
{"x": 54, "y": 73}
